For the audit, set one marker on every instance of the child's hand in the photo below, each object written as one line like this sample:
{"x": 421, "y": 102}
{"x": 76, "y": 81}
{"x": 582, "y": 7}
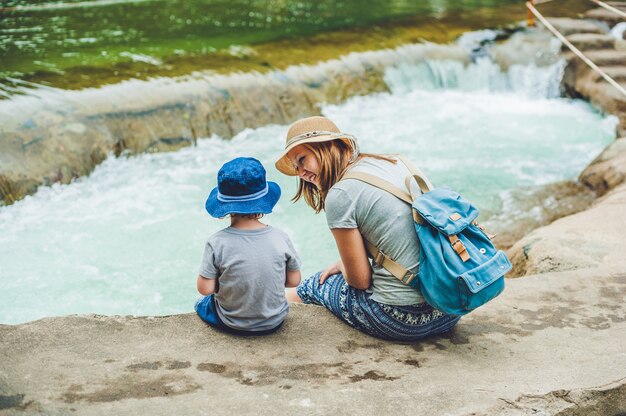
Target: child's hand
{"x": 334, "y": 268}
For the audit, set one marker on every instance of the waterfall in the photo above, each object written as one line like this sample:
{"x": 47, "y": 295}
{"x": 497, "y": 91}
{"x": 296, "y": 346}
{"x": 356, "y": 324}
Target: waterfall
{"x": 49, "y": 135}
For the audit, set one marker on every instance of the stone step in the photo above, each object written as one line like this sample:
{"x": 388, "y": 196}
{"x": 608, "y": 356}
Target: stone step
{"x": 580, "y": 79}
{"x": 591, "y": 41}
{"x": 607, "y": 16}
{"x": 569, "y": 26}
{"x": 618, "y": 73}
{"x": 604, "y": 57}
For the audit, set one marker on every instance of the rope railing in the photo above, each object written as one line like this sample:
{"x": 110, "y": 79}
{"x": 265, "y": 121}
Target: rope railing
{"x": 573, "y": 48}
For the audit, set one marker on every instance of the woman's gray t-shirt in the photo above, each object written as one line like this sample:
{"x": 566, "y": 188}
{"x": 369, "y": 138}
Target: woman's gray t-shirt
{"x": 251, "y": 266}
{"x": 383, "y": 220}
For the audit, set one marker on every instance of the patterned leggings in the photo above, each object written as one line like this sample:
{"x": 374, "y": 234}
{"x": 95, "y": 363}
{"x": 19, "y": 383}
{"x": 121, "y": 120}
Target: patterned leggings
{"x": 353, "y": 306}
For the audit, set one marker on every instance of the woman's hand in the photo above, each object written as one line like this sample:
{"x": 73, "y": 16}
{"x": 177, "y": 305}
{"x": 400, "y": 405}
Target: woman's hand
{"x": 336, "y": 267}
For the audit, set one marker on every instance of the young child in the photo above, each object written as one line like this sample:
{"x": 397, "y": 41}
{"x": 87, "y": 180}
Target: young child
{"x": 246, "y": 267}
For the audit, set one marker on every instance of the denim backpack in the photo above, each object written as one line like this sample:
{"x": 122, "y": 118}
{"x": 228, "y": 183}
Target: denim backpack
{"x": 460, "y": 269}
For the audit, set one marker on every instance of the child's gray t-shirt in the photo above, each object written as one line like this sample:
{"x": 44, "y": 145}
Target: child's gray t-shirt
{"x": 383, "y": 220}
{"x": 250, "y": 266}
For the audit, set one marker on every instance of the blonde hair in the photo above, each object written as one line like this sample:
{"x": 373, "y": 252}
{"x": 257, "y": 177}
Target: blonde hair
{"x": 334, "y": 157}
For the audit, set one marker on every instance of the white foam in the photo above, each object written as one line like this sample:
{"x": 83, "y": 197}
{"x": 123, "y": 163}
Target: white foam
{"x": 618, "y": 30}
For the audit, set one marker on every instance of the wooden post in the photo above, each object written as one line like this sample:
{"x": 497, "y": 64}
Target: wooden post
{"x": 531, "y": 17}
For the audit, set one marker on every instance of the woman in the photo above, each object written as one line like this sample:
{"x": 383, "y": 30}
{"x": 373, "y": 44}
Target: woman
{"x": 365, "y": 296}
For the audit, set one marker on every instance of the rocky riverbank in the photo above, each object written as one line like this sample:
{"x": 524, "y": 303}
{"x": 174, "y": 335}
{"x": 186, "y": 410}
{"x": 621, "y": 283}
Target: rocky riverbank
{"x": 582, "y": 240}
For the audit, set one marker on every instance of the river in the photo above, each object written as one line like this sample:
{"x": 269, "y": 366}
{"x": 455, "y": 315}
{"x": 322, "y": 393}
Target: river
{"x": 128, "y": 238}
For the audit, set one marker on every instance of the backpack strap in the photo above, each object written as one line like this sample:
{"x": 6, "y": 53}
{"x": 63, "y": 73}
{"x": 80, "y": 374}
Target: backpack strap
{"x": 381, "y": 259}
{"x": 386, "y": 262}
{"x": 421, "y": 179}
{"x": 379, "y": 183}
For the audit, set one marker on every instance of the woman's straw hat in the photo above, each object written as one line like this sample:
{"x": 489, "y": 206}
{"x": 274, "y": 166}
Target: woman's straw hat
{"x": 311, "y": 130}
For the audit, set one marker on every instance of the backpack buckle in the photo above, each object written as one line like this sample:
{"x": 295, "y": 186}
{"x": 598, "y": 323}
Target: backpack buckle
{"x": 408, "y": 278}
{"x": 459, "y": 247}
{"x": 380, "y": 257}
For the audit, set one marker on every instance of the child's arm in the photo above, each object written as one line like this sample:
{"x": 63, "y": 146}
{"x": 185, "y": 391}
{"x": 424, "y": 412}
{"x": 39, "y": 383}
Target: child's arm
{"x": 206, "y": 286}
{"x": 293, "y": 278}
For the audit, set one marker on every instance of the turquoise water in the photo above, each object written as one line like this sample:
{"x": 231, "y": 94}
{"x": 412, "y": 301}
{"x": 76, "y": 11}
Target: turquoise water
{"x": 128, "y": 239}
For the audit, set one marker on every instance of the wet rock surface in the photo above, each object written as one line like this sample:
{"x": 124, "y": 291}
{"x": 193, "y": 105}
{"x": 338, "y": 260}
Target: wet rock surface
{"x": 588, "y": 239}
{"x": 58, "y": 137}
{"x": 608, "y": 170}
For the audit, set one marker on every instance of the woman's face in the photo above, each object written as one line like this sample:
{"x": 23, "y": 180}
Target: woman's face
{"x": 306, "y": 164}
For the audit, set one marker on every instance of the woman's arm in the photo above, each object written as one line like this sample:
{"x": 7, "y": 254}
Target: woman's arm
{"x": 206, "y": 286}
{"x": 293, "y": 278}
{"x": 354, "y": 264}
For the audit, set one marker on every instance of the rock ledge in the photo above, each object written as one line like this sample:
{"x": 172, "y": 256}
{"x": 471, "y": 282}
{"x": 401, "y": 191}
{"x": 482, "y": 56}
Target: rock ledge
{"x": 550, "y": 344}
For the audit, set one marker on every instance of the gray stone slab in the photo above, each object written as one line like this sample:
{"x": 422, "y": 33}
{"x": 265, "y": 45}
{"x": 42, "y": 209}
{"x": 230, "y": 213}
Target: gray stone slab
{"x": 555, "y": 332}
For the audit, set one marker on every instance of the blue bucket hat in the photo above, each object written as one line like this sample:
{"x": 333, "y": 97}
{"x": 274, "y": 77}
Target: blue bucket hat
{"x": 242, "y": 189}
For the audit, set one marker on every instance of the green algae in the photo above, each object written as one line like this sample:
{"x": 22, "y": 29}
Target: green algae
{"x": 265, "y": 49}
